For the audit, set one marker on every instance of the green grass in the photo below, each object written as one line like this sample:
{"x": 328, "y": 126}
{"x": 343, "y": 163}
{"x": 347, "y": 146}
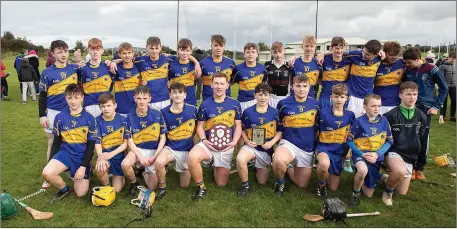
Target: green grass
{"x": 23, "y": 157}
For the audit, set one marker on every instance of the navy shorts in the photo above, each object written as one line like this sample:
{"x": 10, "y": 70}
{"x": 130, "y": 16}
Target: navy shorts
{"x": 115, "y": 166}
{"x": 72, "y": 163}
{"x": 374, "y": 173}
{"x": 336, "y": 162}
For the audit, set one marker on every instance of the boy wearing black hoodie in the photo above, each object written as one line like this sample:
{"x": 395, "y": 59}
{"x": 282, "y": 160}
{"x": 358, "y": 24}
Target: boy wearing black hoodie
{"x": 27, "y": 76}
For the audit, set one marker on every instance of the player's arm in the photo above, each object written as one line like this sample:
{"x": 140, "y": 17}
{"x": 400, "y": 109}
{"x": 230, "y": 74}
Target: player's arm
{"x": 56, "y": 144}
{"x": 237, "y": 134}
{"x": 443, "y": 89}
{"x": 198, "y": 70}
{"x": 350, "y": 141}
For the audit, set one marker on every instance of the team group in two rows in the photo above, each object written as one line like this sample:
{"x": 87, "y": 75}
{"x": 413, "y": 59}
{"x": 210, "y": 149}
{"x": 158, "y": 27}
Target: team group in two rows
{"x": 372, "y": 104}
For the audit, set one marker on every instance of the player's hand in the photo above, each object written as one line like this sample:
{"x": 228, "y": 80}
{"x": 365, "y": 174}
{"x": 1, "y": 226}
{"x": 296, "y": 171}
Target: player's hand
{"x": 374, "y": 156}
{"x": 229, "y": 146}
{"x": 144, "y": 161}
{"x": 166, "y": 54}
{"x": 441, "y": 120}
{"x": 198, "y": 71}
{"x": 267, "y": 145}
{"x": 432, "y": 111}
{"x": 291, "y": 62}
{"x": 320, "y": 58}
{"x": 382, "y": 54}
{"x": 102, "y": 165}
{"x": 144, "y": 82}
{"x": 251, "y": 143}
{"x": 81, "y": 64}
{"x": 44, "y": 122}
{"x": 152, "y": 159}
{"x": 79, "y": 175}
{"x": 107, "y": 156}
{"x": 113, "y": 67}
{"x": 209, "y": 144}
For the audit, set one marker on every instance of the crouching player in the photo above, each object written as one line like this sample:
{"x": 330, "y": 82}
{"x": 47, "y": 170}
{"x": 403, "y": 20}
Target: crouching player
{"x": 298, "y": 114}
{"x": 408, "y": 127}
{"x": 180, "y": 121}
{"x": 334, "y": 125}
{"x": 259, "y": 116}
{"x": 73, "y": 146}
{"x": 148, "y": 139}
{"x": 369, "y": 139}
{"x": 112, "y": 134}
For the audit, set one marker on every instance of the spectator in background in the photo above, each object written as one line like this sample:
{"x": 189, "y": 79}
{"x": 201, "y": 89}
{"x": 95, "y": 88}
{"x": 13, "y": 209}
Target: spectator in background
{"x": 441, "y": 60}
{"x": 430, "y": 58}
{"x": 199, "y": 55}
{"x": 4, "y": 83}
{"x": 448, "y": 69}
{"x": 35, "y": 63}
{"x": 27, "y": 77}
{"x": 116, "y": 56}
{"x": 88, "y": 57}
{"x": 51, "y": 60}
{"x": 18, "y": 63}
{"x": 76, "y": 59}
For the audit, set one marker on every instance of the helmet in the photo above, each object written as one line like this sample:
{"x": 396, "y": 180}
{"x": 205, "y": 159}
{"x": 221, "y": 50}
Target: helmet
{"x": 145, "y": 200}
{"x": 103, "y": 196}
{"x": 442, "y": 161}
{"x": 10, "y": 207}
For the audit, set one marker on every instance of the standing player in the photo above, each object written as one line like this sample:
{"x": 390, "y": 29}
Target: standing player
{"x": 408, "y": 126}
{"x": 73, "y": 145}
{"x": 279, "y": 74}
{"x": 334, "y": 125}
{"x": 259, "y": 116}
{"x": 180, "y": 121}
{"x": 94, "y": 77}
{"x": 370, "y": 137}
{"x": 148, "y": 131}
{"x": 154, "y": 70}
{"x": 307, "y": 64}
{"x": 298, "y": 114}
{"x": 425, "y": 75}
{"x": 112, "y": 135}
{"x": 213, "y": 111}
{"x": 126, "y": 79}
{"x": 248, "y": 75}
{"x": 389, "y": 77}
{"x": 182, "y": 70}
{"x": 335, "y": 70}
{"x": 53, "y": 82}
{"x": 217, "y": 62}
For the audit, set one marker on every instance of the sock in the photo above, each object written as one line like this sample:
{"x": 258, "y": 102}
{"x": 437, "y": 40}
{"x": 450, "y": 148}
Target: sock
{"x": 201, "y": 184}
{"x": 356, "y": 192}
{"x": 134, "y": 182}
{"x": 65, "y": 189}
{"x": 280, "y": 181}
{"x": 388, "y": 189}
{"x": 245, "y": 184}
{"x": 162, "y": 185}
{"x": 322, "y": 183}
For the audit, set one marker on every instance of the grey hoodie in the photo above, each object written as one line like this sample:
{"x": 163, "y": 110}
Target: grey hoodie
{"x": 449, "y": 73}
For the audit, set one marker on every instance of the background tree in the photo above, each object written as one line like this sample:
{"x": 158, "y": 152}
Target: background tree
{"x": 262, "y": 46}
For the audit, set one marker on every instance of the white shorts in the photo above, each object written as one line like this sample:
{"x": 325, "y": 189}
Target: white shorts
{"x": 408, "y": 166}
{"x": 302, "y": 159}
{"x": 160, "y": 105}
{"x": 148, "y": 153}
{"x": 245, "y": 105}
{"x": 385, "y": 109}
{"x": 356, "y": 105}
{"x": 220, "y": 159}
{"x": 51, "y": 115}
{"x": 94, "y": 110}
{"x": 180, "y": 159}
{"x": 262, "y": 159}
{"x": 274, "y": 100}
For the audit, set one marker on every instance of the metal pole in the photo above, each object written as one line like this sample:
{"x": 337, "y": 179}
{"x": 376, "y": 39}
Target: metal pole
{"x": 317, "y": 10}
{"x": 234, "y": 37}
{"x": 177, "y": 26}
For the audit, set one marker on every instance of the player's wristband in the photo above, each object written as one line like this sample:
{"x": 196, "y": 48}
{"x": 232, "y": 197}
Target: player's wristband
{"x": 204, "y": 139}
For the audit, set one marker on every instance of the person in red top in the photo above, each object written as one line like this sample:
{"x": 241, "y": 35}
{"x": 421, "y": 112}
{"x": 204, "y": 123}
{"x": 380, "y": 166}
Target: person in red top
{"x": 4, "y": 83}
{"x": 51, "y": 60}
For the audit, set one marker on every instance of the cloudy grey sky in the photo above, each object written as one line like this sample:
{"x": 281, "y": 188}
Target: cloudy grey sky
{"x": 116, "y": 22}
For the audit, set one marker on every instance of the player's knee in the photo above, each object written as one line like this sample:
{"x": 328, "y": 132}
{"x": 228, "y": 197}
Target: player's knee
{"x": 402, "y": 192}
{"x": 126, "y": 164}
{"x": 160, "y": 163}
{"x": 362, "y": 171}
{"x": 118, "y": 188}
{"x": 221, "y": 183}
{"x": 323, "y": 165}
{"x": 81, "y": 193}
{"x": 47, "y": 173}
{"x": 100, "y": 174}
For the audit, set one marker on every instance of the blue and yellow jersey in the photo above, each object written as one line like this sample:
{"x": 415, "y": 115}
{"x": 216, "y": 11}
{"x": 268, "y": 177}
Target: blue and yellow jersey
{"x": 75, "y": 130}
{"x": 54, "y": 80}
{"x": 155, "y": 72}
{"x": 269, "y": 121}
{"x": 184, "y": 73}
{"x": 214, "y": 113}
{"x": 370, "y": 136}
{"x": 387, "y": 82}
{"x": 181, "y": 127}
{"x": 209, "y": 68}
{"x": 146, "y": 130}
{"x": 333, "y": 73}
{"x": 311, "y": 69}
{"x": 361, "y": 79}
{"x": 299, "y": 121}
{"x": 248, "y": 78}
{"x": 112, "y": 133}
{"x": 96, "y": 80}
{"x": 333, "y": 130}
{"x": 125, "y": 82}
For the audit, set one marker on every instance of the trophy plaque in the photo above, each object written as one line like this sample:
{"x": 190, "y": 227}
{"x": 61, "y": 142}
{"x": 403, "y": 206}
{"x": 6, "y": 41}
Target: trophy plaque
{"x": 258, "y": 136}
{"x": 220, "y": 135}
